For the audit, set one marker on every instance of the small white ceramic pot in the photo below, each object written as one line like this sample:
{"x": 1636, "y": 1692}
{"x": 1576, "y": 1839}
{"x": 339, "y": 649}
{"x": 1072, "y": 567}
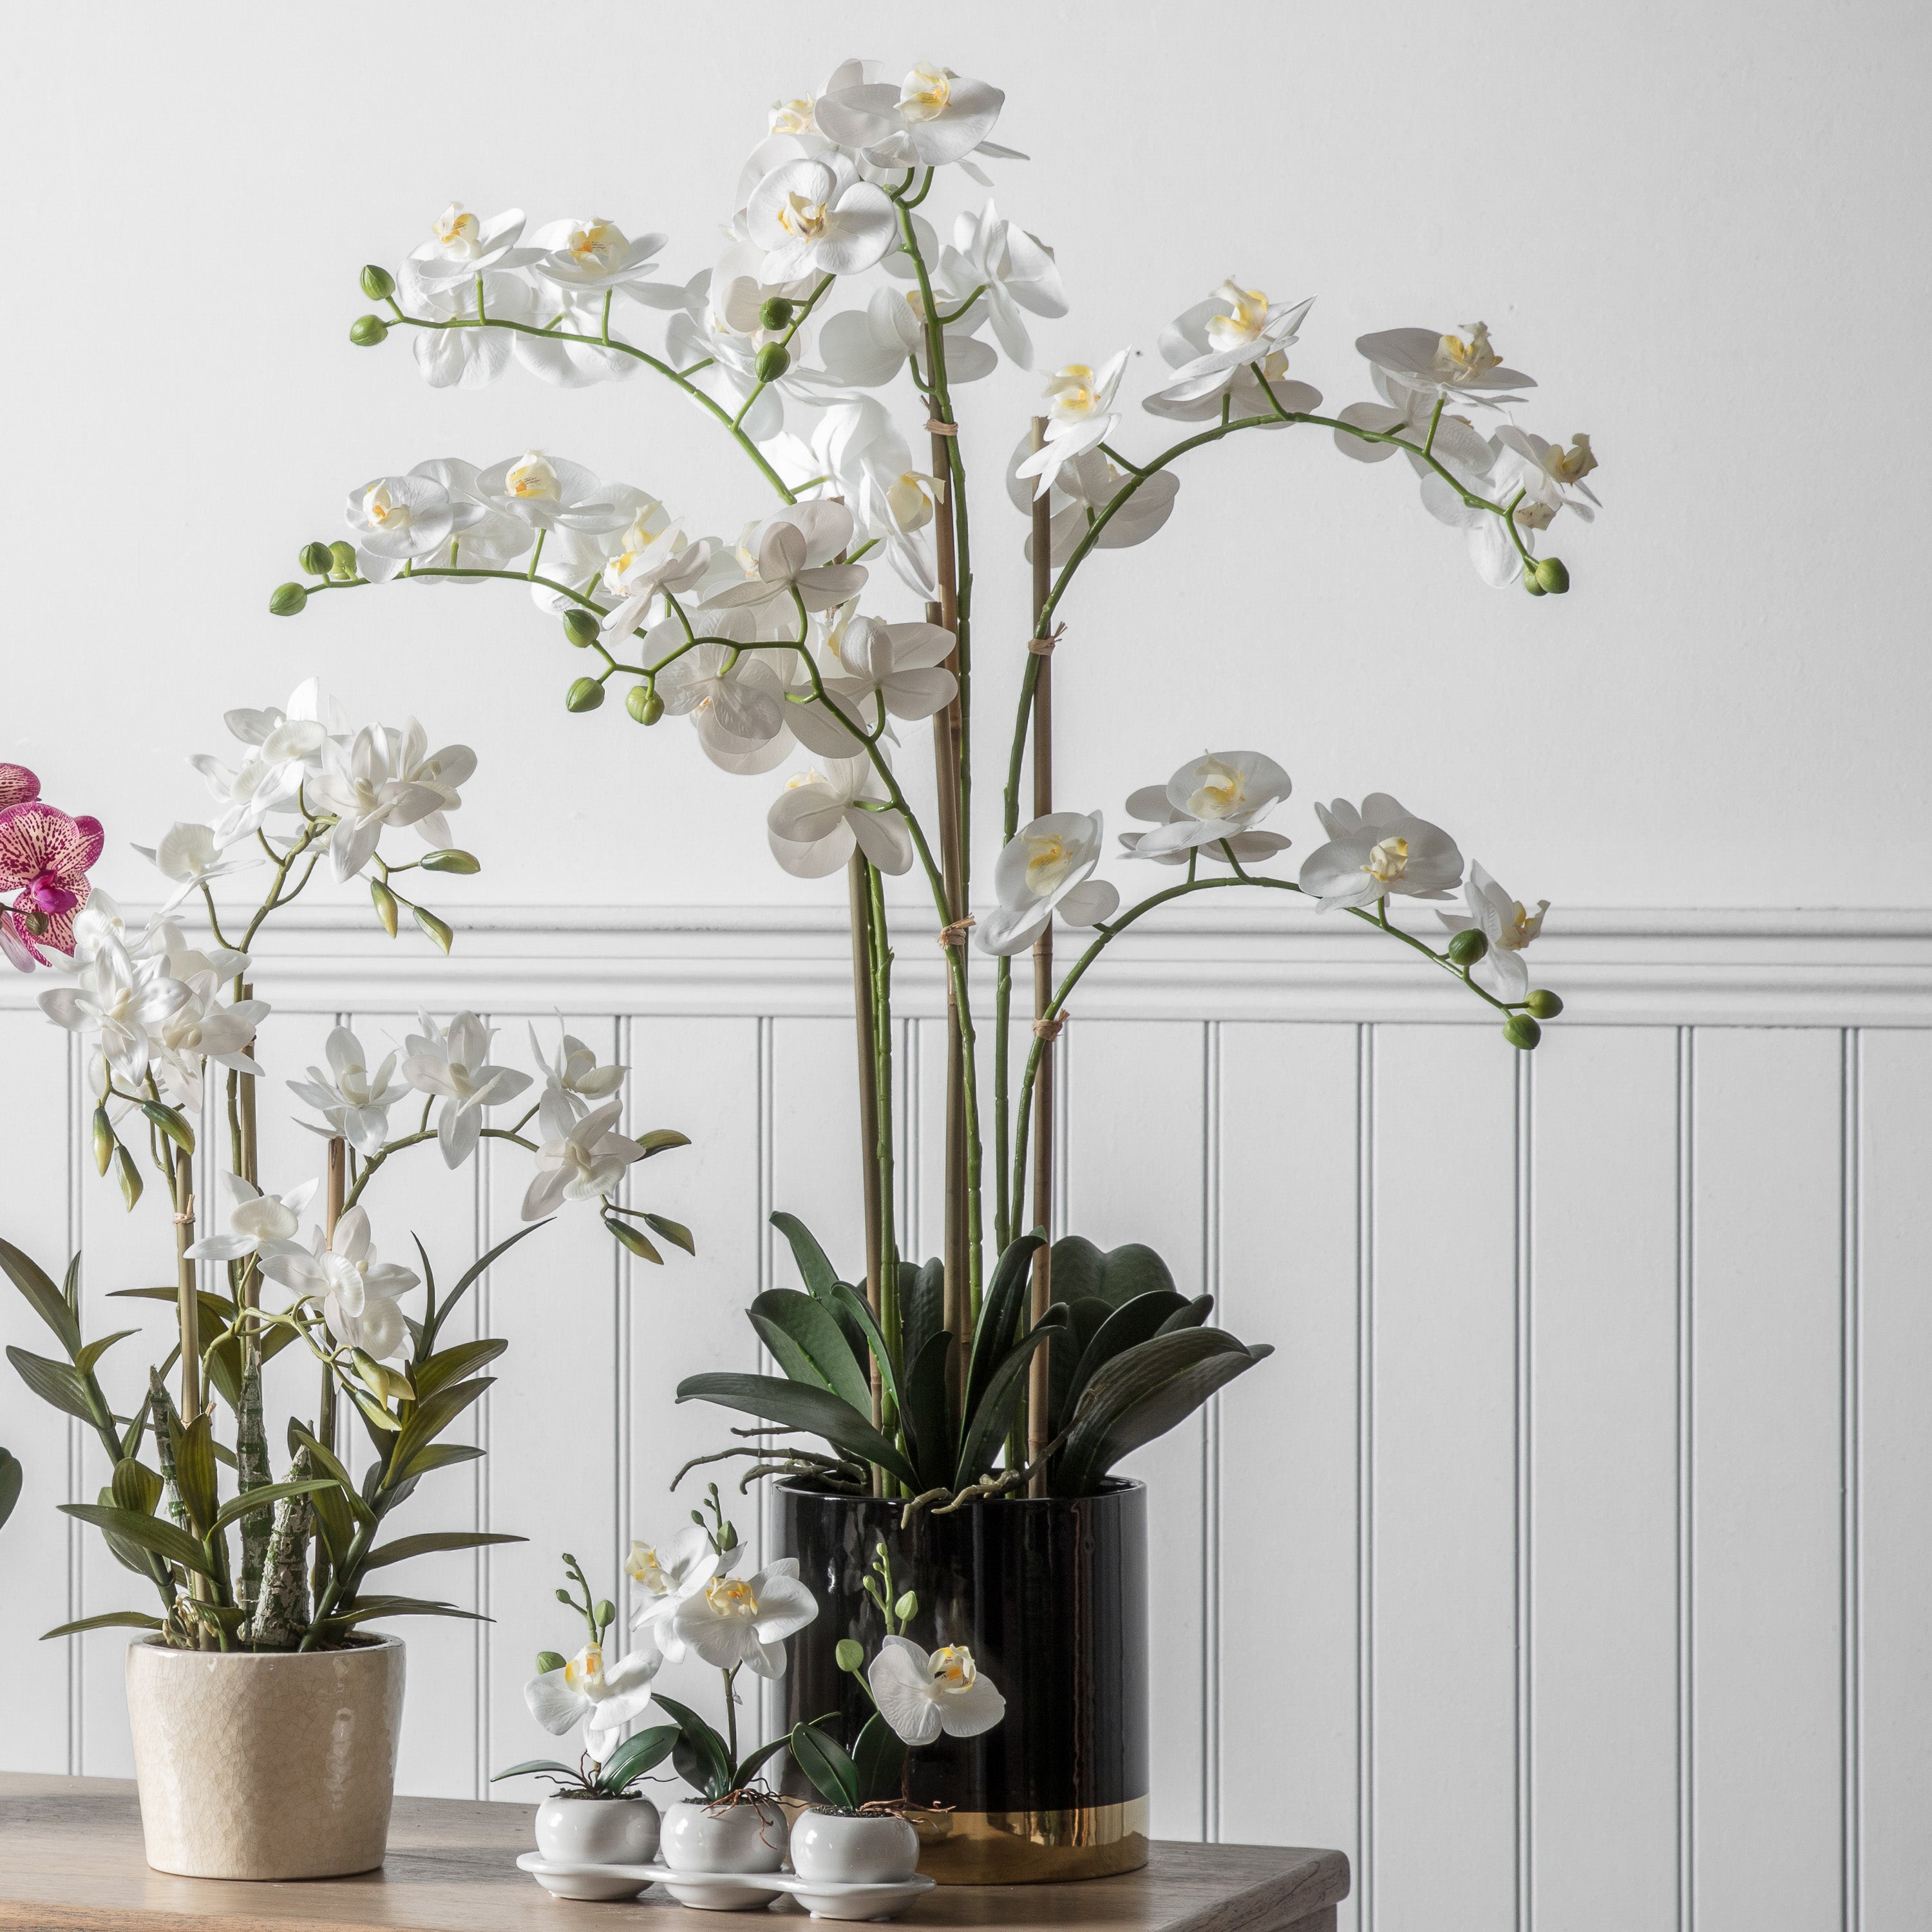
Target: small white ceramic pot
{"x": 746, "y": 1837}
{"x": 848, "y": 1848}
{"x": 598, "y": 1831}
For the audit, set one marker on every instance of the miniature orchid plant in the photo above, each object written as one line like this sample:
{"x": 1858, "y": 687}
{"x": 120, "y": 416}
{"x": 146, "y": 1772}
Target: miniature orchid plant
{"x": 833, "y": 304}
{"x": 161, "y": 1014}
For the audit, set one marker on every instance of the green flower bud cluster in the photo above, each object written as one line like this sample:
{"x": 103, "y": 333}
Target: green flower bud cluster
{"x": 1467, "y": 947}
{"x": 643, "y": 704}
{"x": 317, "y": 558}
{"x": 1546, "y": 577}
{"x": 342, "y": 556}
{"x": 1520, "y": 1031}
{"x": 1543, "y": 1003}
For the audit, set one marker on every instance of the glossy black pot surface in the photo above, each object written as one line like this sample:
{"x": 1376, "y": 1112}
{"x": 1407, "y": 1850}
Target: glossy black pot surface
{"x": 1052, "y": 1597}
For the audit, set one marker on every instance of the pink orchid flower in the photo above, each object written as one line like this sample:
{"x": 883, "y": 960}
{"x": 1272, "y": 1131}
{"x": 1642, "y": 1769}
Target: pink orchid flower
{"x": 44, "y": 858}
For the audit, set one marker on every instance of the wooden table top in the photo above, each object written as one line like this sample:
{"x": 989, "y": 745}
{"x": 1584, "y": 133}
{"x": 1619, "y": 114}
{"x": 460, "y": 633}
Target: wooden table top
{"x": 71, "y": 1857}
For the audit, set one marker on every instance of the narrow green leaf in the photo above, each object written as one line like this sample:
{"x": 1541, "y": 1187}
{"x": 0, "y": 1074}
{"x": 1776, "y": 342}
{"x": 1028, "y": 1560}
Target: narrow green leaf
{"x": 661, "y": 1138}
{"x": 429, "y": 1419}
{"x": 49, "y": 1304}
{"x": 270, "y": 1494}
{"x": 926, "y": 1415}
{"x": 675, "y": 1232}
{"x": 442, "y": 1455}
{"x": 476, "y": 1268}
{"x": 878, "y": 1757}
{"x": 817, "y": 1273}
{"x": 452, "y": 1364}
{"x": 327, "y": 1461}
{"x": 55, "y": 1383}
{"x": 84, "y": 1362}
{"x": 11, "y": 1477}
{"x": 137, "y": 1486}
{"x": 433, "y": 1542}
{"x": 798, "y": 1406}
{"x": 826, "y": 1765}
{"x": 637, "y": 1755}
{"x": 107, "y": 1620}
{"x": 804, "y": 1335}
{"x": 1000, "y": 1310}
{"x": 531, "y": 1768}
{"x": 173, "y": 1545}
{"x": 372, "y": 1610}
{"x": 985, "y": 1430}
{"x": 194, "y": 1472}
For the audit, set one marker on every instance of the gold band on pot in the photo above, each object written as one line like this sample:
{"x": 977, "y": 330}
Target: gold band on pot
{"x": 1031, "y": 1847}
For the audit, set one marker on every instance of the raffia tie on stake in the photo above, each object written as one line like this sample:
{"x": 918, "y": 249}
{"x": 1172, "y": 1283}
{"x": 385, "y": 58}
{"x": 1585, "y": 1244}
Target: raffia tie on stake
{"x": 955, "y": 935}
{"x": 1049, "y": 1030}
{"x": 1043, "y": 647}
{"x": 186, "y": 1220}
{"x": 943, "y": 428}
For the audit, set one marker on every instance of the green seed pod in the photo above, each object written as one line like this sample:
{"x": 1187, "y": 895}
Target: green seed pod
{"x": 605, "y": 1612}
{"x": 316, "y": 559}
{"x": 130, "y": 1177}
{"x": 451, "y": 860}
{"x": 1468, "y": 945}
{"x": 850, "y": 1655}
{"x": 287, "y": 600}
{"x": 776, "y": 311}
{"x": 367, "y": 331}
{"x": 434, "y": 927}
{"x": 643, "y": 704}
{"x": 385, "y": 905}
{"x": 342, "y": 559}
{"x": 378, "y": 284}
{"x": 586, "y": 694}
{"x": 548, "y": 1661}
{"x": 580, "y": 628}
{"x": 1530, "y": 583}
{"x": 773, "y": 361}
{"x": 103, "y": 1141}
{"x": 1543, "y": 1003}
{"x": 1520, "y": 1030}
{"x": 1551, "y": 575}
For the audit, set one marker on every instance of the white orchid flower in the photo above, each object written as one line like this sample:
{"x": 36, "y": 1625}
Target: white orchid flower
{"x": 573, "y": 1076}
{"x": 587, "y": 256}
{"x": 1214, "y": 798}
{"x": 1042, "y": 870}
{"x": 794, "y": 549}
{"x": 817, "y": 218}
{"x": 120, "y": 998}
{"x": 858, "y": 449}
{"x": 453, "y": 1063}
{"x": 1151, "y": 802}
{"x": 201, "y": 1029}
{"x": 258, "y": 1222}
{"x": 815, "y": 822}
{"x": 1081, "y": 489}
{"x": 904, "y": 664}
{"x": 668, "y": 563}
{"x": 441, "y": 772}
{"x": 189, "y": 857}
{"x": 932, "y": 117}
{"x": 921, "y": 1695}
{"x": 287, "y": 745}
{"x": 1081, "y": 416}
{"x": 1377, "y": 850}
{"x": 666, "y": 1574}
{"x": 572, "y": 357}
{"x": 579, "y": 1160}
{"x": 1435, "y": 365}
{"x": 399, "y": 520}
{"x": 1506, "y": 924}
{"x": 462, "y": 245}
{"x": 353, "y": 1101}
{"x": 736, "y": 701}
{"x": 485, "y": 539}
{"x": 732, "y": 1620}
{"x": 869, "y": 346}
{"x": 359, "y": 1294}
{"x": 573, "y": 555}
{"x": 1219, "y": 348}
{"x": 1016, "y": 270}
{"x": 550, "y": 492}
{"x": 362, "y": 785}
{"x": 470, "y": 358}
{"x": 602, "y": 1700}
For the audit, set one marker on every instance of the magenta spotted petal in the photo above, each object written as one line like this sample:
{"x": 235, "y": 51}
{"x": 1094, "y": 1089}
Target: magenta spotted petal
{"x": 44, "y": 855}
{"x": 18, "y": 786}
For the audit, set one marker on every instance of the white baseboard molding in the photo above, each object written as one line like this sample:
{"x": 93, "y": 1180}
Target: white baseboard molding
{"x": 1734, "y": 967}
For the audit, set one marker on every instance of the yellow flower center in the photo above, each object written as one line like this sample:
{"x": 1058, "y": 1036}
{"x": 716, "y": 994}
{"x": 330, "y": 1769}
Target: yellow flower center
{"x": 791, "y": 117}
{"x": 597, "y": 244}
{"x": 1389, "y": 860}
{"x": 924, "y": 92}
{"x": 731, "y": 1597}
{"x": 810, "y": 777}
{"x": 1571, "y": 465}
{"x": 1048, "y": 861}
{"x": 644, "y": 1566}
{"x": 457, "y": 232}
{"x": 908, "y": 499}
{"x": 951, "y": 1668}
{"x": 1522, "y": 925}
{"x": 1457, "y": 361}
{"x": 381, "y": 509}
{"x": 1222, "y": 792}
{"x": 1248, "y": 310}
{"x": 803, "y": 219}
{"x": 532, "y": 478}
{"x": 1070, "y": 393}
{"x": 585, "y": 1671}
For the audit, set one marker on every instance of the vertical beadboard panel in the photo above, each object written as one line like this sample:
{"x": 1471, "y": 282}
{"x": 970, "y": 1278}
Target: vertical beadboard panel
{"x": 923, "y": 1188}
{"x": 35, "y": 1165}
{"x": 1892, "y": 1652}
{"x": 1444, "y": 1506}
{"x": 815, "y": 1149}
{"x": 1288, "y": 1691}
{"x": 1601, "y": 1778}
{"x": 552, "y": 1428}
{"x": 1766, "y": 1443}
{"x": 1135, "y": 1119}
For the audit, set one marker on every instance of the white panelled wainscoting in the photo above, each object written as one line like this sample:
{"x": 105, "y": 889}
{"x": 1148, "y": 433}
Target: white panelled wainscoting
{"x": 1570, "y": 1564}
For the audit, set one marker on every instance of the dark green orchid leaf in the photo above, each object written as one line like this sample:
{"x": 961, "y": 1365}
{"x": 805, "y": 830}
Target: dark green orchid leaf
{"x": 637, "y": 1755}
{"x": 805, "y": 1338}
{"x": 1114, "y": 1276}
{"x": 55, "y": 1383}
{"x": 1133, "y": 1322}
{"x": 49, "y": 1304}
{"x": 826, "y": 1765}
{"x": 925, "y": 1415}
{"x": 986, "y": 1431}
{"x": 799, "y": 1405}
{"x": 11, "y": 1477}
{"x": 107, "y": 1620}
{"x": 433, "y": 1542}
{"x": 1000, "y": 1309}
{"x": 922, "y": 1307}
{"x": 878, "y": 1757}
{"x": 168, "y": 1541}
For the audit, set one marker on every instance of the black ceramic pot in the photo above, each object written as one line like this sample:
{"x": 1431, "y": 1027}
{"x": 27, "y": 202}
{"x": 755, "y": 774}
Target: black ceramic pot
{"x": 1052, "y": 1596}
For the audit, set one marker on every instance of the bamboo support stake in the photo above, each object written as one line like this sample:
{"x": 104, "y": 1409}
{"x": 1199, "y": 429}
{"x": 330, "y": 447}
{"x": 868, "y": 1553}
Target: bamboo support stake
{"x": 861, "y": 892}
{"x": 338, "y": 1187}
{"x": 1038, "y": 1382}
{"x": 946, "y": 767}
{"x": 187, "y": 1302}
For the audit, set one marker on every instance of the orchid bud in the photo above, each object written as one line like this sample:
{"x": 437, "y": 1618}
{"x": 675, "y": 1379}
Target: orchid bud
{"x": 605, "y": 1613}
{"x": 434, "y": 927}
{"x": 586, "y": 694}
{"x": 342, "y": 559}
{"x": 451, "y": 860}
{"x": 315, "y": 558}
{"x": 378, "y": 284}
{"x": 171, "y": 1123}
{"x": 1551, "y": 575}
{"x": 563, "y": 1596}
{"x": 850, "y": 1655}
{"x": 1529, "y": 582}
{"x": 627, "y": 1237}
{"x": 367, "y": 331}
{"x": 1468, "y": 945}
{"x": 1543, "y": 1003}
{"x": 385, "y": 905}
{"x": 103, "y": 1141}
{"x": 548, "y": 1661}
{"x": 287, "y": 600}
{"x": 580, "y": 628}
{"x": 1520, "y": 1030}
{"x": 130, "y": 1178}
{"x": 773, "y": 361}
{"x": 774, "y": 311}
{"x": 643, "y": 704}
{"x": 728, "y": 1537}
{"x": 908, "y": 1606}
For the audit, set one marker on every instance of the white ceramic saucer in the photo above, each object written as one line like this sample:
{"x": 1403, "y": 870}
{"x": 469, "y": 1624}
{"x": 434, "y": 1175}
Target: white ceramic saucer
{"x": 725, "y": 1891}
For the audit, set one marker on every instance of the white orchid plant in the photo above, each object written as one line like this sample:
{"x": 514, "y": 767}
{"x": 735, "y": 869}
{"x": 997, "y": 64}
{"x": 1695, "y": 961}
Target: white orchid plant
{"x": 162, "y": 1014}
{"x": 830, "y": 342}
